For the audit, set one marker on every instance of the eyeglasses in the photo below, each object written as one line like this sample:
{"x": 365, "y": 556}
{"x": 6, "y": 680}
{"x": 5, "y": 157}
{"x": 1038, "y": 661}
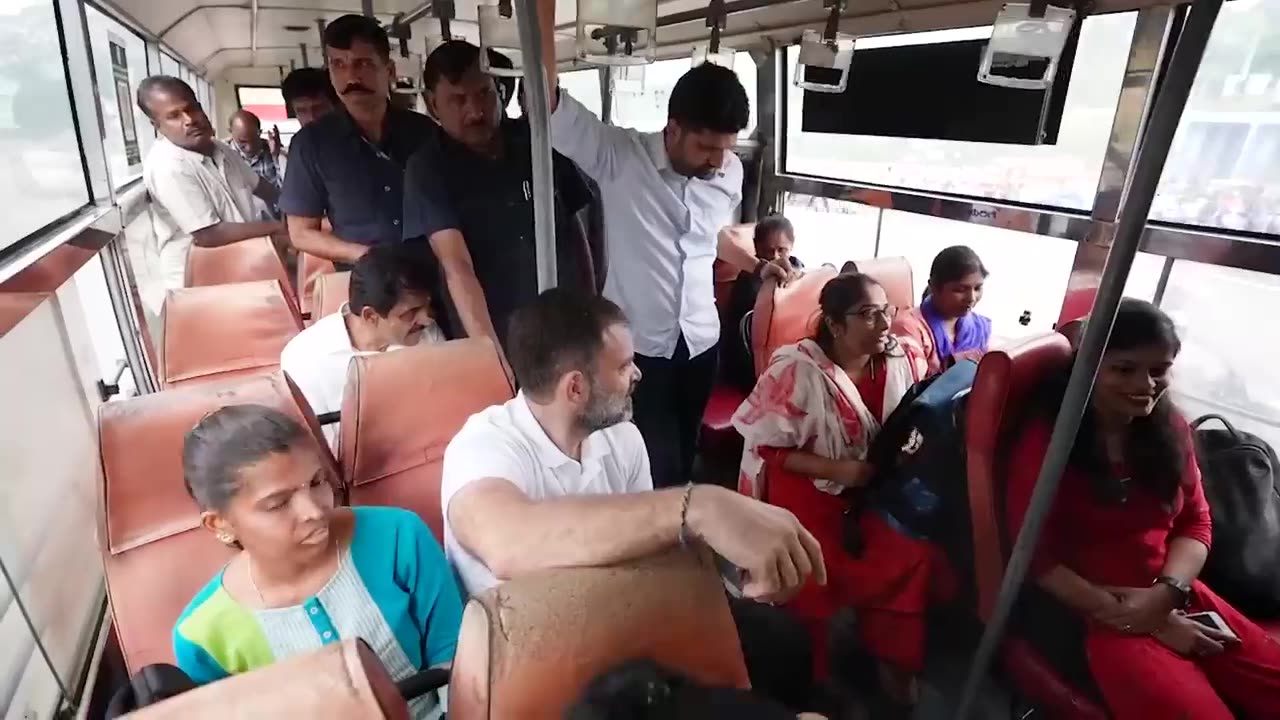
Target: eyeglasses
{"x": 872, "y": 314}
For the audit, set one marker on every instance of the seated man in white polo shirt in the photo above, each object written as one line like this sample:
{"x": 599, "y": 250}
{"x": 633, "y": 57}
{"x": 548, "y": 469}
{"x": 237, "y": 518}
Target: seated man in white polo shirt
{"x": 389, "y": 307}
{"x": 559, "y": 477}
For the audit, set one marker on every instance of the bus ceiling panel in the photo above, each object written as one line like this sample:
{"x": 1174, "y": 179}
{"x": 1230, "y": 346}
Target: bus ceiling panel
{"x": 203, "y": 33}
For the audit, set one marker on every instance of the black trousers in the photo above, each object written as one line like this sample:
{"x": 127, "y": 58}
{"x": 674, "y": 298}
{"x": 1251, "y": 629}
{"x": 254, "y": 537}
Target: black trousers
{"x": 777, "y": 651}
{"x": 668, "y": 406}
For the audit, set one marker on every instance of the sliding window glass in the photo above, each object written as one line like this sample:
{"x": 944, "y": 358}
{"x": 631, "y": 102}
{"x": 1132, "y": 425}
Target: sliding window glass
{"x": 641, "y": 94}
{"x": 168, "y": 66}
{"x": 119, "y": 60}
{"x": 42, "y": 179}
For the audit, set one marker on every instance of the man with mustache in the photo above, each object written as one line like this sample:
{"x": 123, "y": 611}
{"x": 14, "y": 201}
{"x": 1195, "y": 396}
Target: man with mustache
{"x": 389, "y": 309}
{"x": 348, "y": 166}
{"x": 202, "y": 190}
{"x": 666, "y": 197}
{"x": 469, "y": 192}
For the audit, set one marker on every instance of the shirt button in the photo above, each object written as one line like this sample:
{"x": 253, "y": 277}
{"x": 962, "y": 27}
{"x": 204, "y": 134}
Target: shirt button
{"x": 315, "y": 610}
{"x": 327, "y": 634}
{"x": 395, "y": 222}
{"x": 386, "y": 188}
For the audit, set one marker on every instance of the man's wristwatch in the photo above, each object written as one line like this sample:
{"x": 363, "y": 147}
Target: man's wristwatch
{"x": 1181, "y": 590}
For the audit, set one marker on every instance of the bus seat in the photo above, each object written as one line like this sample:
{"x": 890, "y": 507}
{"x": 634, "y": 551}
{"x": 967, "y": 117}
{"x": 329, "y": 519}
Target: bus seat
{"x": 894, "y": 274}
{"x": 329, "y": 293}
{"x": 155, "y": 554}
{"x": 997, "y": 404}
{"x": 341, "y": 681}
{"x": 723, "y": 274}
{"x": 1073, "y": 331}
{"x": 221, "y": 332}
{"x": 529, "y": 646}
{"x": 311, "y": 267}
{"x": 244, "y": 261}
{"x": 400, "y": 409}
{"x": 785, "y": 315}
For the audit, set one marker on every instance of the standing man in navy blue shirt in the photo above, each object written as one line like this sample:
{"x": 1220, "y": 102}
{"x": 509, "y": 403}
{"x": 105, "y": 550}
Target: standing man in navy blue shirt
{"x": 349, "y": 165}
{"x": 469, "y": 191}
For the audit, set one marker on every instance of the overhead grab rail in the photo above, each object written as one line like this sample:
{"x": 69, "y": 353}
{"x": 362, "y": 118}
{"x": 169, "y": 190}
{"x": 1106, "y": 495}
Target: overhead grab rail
{"x": 1135, "y": 207}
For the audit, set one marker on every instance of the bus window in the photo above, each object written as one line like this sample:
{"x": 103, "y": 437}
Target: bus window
{"x": 647, "y": 110}
{"x": 47, "y": 509}
{"x": 831, "y": 231}
{"x": 120, "y": 64}
{"x": 41, "y": 178}
{"x": 1029, "y": 272}
{"x": 1061, "y": 175}
{"x": 583, "y": 85}
{"x": 1222, "y": 170}
{"x": 1227, "y": 364}
{"x": 268, "y": 104}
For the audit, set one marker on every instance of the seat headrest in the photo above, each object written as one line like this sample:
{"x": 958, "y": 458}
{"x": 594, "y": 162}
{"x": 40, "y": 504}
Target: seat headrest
{"x": 310, "y": 267}
{"x": 337, "y": 682}
{"x": 529, "y": 646}
{"x": 785, "y": 315}
{"x": 330, "y": 292}
{"x": 894, "y": 275}
{"x": 140, "y": 440}
{"x": 401, "y": 408}
{"x": 236, "y": 328}
{"x": 245, "y": 261}
{"x": 997, "y": 404}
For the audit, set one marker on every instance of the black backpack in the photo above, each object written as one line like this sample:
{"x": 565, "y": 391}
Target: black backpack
{"x": 1240, "y": 471}
{"x": 148, "y": 686}
{"x": 919, "y": 457}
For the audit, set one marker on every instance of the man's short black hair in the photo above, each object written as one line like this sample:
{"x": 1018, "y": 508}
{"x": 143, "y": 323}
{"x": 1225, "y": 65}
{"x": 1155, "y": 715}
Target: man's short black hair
{"x": 307, "y": 82}
{"x": 710, "y": 97}
{"x": 386, "y": 272}
{"x": 163, "y": 83}
{"x": 344, "y": 31}
{"x": 773, "y": 224}
{"x": 560, "y": 331}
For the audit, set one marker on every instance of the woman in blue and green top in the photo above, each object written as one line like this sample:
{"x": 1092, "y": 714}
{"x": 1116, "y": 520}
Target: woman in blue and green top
{"x": 308, "y": 573}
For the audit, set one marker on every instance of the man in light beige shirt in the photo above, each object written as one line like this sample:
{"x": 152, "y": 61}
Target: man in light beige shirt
{"x": 201, "y": 189}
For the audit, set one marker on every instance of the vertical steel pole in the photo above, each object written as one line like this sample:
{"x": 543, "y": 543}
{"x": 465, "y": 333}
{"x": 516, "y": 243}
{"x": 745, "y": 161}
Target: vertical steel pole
{"x": 1134, "y": 209}
{"x": 537, "y": 102}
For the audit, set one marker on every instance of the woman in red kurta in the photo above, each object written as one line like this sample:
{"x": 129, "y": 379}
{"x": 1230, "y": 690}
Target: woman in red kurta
{"x": 1127, "y": 536}
{"x": 807, "y": 426}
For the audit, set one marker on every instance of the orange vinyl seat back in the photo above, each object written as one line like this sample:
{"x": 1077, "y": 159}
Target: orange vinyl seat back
{"x": 331, "y": 292}
{"x": 995, "y": 410}
{"x": 310, "y": 268}
{"x": 724, "y": 274}
{"x": 529, "y": 646}
{"x": 894, "y": 275}
{"x": 341, "y": 681}
{"x": 155, "y": 553}
{"x": 221, "y": 332}
{"x": 244, "y": 261}
{"x": 401, "y": 408}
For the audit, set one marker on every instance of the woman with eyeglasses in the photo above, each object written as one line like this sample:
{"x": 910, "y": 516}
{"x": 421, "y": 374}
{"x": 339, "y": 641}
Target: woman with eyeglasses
{"x": 808, "y": 426}
{"x": 308, "y": 574}
{"x": 944, "y": 325}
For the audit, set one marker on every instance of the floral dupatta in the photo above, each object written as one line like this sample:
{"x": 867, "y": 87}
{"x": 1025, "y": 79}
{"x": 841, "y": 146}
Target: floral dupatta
{"x": 805, "y": 401}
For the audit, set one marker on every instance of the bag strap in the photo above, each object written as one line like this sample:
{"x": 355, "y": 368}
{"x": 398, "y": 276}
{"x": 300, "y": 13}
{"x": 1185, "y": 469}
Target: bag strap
{"x": 1195, "y": 424}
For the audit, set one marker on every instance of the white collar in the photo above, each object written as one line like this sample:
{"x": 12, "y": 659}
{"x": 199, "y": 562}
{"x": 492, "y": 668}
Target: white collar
{"x": 594, "y": 447}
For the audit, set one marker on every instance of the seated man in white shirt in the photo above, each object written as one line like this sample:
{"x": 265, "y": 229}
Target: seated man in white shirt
{"x": 559, "y": 477}
{"x": 389, "y": 308}
{"x": 202, "y": 190}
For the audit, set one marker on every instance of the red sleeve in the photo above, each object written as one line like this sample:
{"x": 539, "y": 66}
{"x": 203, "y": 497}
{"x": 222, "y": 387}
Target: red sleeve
{"x": 1193, "y": 519}
{"x": 1024, "y": 469}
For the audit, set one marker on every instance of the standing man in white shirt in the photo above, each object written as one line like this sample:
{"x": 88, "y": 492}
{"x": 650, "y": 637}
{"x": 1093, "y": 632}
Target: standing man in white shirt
{"x": 201, "y": 189}
{"x": 558, "y": 477}
{"x": 390, "y": 308}
{"x": 666, "y": 196}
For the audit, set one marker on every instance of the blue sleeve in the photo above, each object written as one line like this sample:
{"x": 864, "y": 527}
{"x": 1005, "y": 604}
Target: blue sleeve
{"x": 195, "y": 661}
{"x": 304, "y": 193}
{"x": 427, "y": 206}
{"x": 434, "y": 600}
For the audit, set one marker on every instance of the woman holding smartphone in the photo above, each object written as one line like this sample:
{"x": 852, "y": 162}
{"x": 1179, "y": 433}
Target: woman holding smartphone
{"x": 1127, "y": 536}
